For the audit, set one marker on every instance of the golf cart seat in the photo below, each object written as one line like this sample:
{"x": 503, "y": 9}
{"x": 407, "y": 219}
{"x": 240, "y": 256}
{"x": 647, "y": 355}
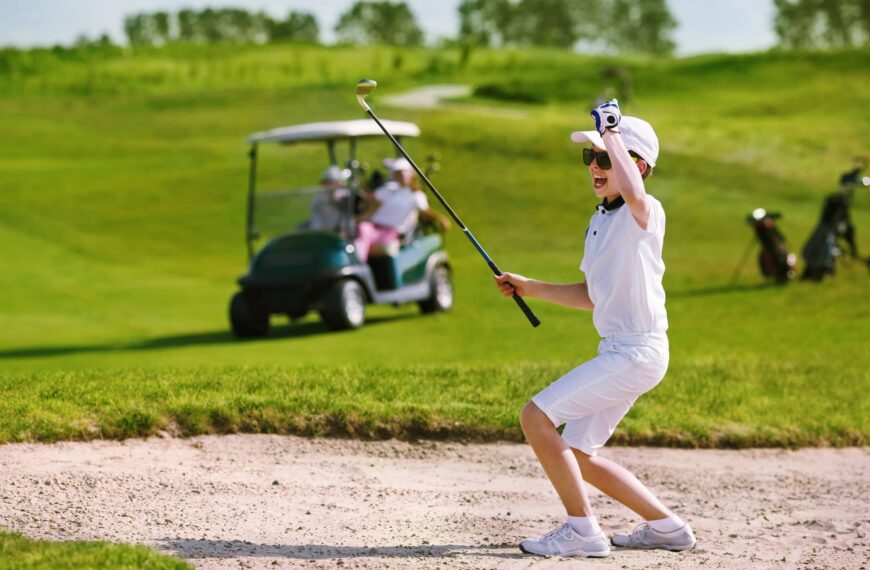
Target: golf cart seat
{"x": 407, "y": 266}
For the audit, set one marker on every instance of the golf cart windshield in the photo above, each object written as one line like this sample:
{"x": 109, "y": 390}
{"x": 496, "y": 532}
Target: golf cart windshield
{"x": 311, "y": 208}
{"x": 285, "y": 193}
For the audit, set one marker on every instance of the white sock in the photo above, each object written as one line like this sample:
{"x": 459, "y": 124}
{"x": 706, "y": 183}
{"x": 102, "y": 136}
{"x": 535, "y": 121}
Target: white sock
{"x": 584, "y": 526}
{"x": 669, "y": 524}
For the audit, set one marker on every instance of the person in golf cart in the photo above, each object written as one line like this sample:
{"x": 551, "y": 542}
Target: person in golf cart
{"x": 331, "y": 209}
{"x": 393, "y": 212}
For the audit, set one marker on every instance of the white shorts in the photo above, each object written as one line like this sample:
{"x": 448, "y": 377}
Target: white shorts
{"x": 594, "y": 397}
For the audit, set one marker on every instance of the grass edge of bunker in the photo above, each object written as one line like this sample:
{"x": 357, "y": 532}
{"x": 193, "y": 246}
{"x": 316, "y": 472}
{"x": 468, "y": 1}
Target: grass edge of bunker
{"x": 302, "y": 270}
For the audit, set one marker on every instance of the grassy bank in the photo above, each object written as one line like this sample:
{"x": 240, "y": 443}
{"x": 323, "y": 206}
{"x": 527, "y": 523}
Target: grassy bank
{"x": 712, "y": 402}
{"x": 121, "y": 216}
{"x": 19, "y": 553}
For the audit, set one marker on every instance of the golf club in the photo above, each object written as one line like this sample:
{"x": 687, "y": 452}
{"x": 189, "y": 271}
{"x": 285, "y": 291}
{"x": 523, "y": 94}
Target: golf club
{"x": 363, "y": 88}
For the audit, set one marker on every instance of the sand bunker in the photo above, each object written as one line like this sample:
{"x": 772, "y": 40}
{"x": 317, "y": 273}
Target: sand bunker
{"x": 259, "y": 501}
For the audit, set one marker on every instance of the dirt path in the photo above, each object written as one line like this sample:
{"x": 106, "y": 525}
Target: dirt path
{"x": 428, "y": 97}
{"x": 436, "y": 96}
{"x": 269, "y": 501}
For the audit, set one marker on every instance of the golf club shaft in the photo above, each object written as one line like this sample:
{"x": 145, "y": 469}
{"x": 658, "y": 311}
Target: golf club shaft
{"x": 521, "y": 303}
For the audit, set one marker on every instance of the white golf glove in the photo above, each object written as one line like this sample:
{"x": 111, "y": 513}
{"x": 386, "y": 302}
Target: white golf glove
{"x": 607, "y": 116}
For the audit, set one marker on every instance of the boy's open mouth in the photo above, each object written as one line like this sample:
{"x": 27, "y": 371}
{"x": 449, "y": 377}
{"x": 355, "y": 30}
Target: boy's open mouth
{"x": 599, "y": 181}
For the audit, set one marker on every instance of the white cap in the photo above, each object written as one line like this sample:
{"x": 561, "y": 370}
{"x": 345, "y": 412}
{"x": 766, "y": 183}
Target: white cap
{"x": 397, "y": 164}
{"x": 335, "y": 174}
{"x": 637, "y": 134}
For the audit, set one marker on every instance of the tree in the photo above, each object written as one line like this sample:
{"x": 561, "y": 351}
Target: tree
{"x": 297, "y": 27}
{"x": 822, "y": 23}
{"x": 187, "y": 26}
{"x": 390, "y": 23}
{"x": 208, "y": 26}
{"x": 642, "y": 26}
{"x": 217, "y": 25}
{"x": 138, "y": 29}
{"x": 622, "y": 25}
{"x": 550, "y": 23}
{"x": 486, "y": 22}
{"x": 161, "y": 26}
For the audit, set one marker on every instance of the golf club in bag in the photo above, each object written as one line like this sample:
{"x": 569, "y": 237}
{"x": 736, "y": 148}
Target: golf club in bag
{"x": 774, "y": 259}
{"x": 363, "y": 88}
{"x": 835, "y": 225}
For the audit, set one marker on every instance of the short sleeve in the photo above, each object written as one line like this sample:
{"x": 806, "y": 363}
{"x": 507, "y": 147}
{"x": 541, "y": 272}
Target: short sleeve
{"x": 420, "y": 200}
{"x": 656, "y": 223}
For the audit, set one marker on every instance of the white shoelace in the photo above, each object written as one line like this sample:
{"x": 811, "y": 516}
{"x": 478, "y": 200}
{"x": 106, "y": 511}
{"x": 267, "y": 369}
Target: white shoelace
{"x": 565, "y": 530}
{"x": 638, "y": 534}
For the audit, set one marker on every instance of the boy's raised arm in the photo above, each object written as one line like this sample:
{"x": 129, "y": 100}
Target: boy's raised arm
{"x": 625, "y": 173}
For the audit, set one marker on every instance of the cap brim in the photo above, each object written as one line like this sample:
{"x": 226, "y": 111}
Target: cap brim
{"x": 397, "y": 164}
{"x": 592, "y": 137}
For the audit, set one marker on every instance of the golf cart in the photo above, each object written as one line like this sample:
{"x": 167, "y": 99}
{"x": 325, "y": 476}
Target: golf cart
{"x": 297, "y": 269}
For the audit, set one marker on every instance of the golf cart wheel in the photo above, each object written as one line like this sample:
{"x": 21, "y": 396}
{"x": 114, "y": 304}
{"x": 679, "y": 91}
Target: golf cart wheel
{"x": 344, "y": 305}
{"x": 246, "y": 318}
{"x": 441, "y": 298}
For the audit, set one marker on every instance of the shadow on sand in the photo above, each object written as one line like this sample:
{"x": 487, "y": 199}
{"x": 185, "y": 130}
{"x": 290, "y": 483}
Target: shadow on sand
{"x": 203, "y": 548}
{"x": 291, "y": 331}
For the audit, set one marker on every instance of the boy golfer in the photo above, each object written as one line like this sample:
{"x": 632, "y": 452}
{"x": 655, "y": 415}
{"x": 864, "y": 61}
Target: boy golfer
{"x": 622, "y": 261}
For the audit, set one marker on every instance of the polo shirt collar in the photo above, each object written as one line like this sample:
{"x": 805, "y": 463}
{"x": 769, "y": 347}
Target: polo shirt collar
{"x": 610, "y": 206}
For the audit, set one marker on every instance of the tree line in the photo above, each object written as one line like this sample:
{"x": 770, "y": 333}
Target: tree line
{"x": 218, "y": 25}
{"x": 616, "y": 25}
{"x": 822, "y": 23}
{"x": 642, "y": 26}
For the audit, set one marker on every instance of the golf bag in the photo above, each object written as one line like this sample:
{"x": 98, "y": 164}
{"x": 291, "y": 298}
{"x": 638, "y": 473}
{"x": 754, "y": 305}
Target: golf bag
{"x": 774, "y": 259}
{"x": 835, "y": 226}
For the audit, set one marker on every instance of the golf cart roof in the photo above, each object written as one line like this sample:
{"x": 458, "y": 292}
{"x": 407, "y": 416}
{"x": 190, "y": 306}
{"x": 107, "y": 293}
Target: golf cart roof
{"x": 334, "y": 131}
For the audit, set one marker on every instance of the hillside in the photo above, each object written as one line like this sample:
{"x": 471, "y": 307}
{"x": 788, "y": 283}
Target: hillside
{"x": 122, "y": 215}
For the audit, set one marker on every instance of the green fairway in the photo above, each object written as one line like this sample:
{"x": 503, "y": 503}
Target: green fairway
{"x": 24, "y": 554}
{"x": 122, "y": 217}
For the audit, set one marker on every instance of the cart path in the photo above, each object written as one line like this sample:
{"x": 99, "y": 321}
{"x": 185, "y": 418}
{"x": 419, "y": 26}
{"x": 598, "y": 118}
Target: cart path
{"x": 428, "y": 97}
{"x": 260, "y": 501}
{"x": 436, "y": 96}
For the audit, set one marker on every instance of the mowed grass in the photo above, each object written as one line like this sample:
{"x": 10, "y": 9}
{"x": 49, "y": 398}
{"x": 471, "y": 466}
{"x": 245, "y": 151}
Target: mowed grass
{"x": 121, "y": 223}
{"x": 19, "y": 553}
{"x": 457, "y": 402}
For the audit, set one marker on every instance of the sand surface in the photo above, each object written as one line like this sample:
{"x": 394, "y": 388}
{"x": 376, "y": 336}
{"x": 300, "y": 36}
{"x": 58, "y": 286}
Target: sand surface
{"x": 258, "y": 501}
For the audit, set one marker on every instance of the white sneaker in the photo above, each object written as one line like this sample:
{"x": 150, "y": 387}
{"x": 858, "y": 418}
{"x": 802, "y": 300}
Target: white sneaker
{"x": 564, "y": 541}
{"x": 644, "y": 536}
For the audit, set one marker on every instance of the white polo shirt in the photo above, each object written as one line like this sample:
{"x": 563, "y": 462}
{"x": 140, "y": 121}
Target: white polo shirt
{"x": 400, "y": 206}
{"x": 624, "y": 268}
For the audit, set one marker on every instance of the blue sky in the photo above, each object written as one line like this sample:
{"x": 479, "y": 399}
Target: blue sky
{"x": 705, "y": 25}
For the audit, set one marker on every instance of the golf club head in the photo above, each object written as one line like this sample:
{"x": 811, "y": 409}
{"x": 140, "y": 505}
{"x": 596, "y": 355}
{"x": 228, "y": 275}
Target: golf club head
{"x": 363, "y": 88}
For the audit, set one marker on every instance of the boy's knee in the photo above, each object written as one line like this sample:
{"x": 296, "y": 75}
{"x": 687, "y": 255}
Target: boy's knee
{"x": 582, "y": 457}
{"x": 531, "y": 417}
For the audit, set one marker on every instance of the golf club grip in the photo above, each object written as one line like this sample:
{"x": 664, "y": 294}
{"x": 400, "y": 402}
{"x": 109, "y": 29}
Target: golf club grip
{"x": 527, "y": 311}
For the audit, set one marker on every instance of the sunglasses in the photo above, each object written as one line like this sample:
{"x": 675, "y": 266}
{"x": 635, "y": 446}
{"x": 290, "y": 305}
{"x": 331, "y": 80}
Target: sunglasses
{"x": 602, "y": 158}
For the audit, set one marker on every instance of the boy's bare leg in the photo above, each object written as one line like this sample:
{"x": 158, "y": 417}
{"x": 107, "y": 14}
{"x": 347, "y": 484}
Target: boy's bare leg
{"x": 617, "y": 482}
{"x": 557, "y": 460}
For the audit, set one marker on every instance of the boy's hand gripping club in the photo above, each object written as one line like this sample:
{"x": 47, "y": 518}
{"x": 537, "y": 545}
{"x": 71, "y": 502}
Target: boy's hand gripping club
{"x": 366, "y": 86}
